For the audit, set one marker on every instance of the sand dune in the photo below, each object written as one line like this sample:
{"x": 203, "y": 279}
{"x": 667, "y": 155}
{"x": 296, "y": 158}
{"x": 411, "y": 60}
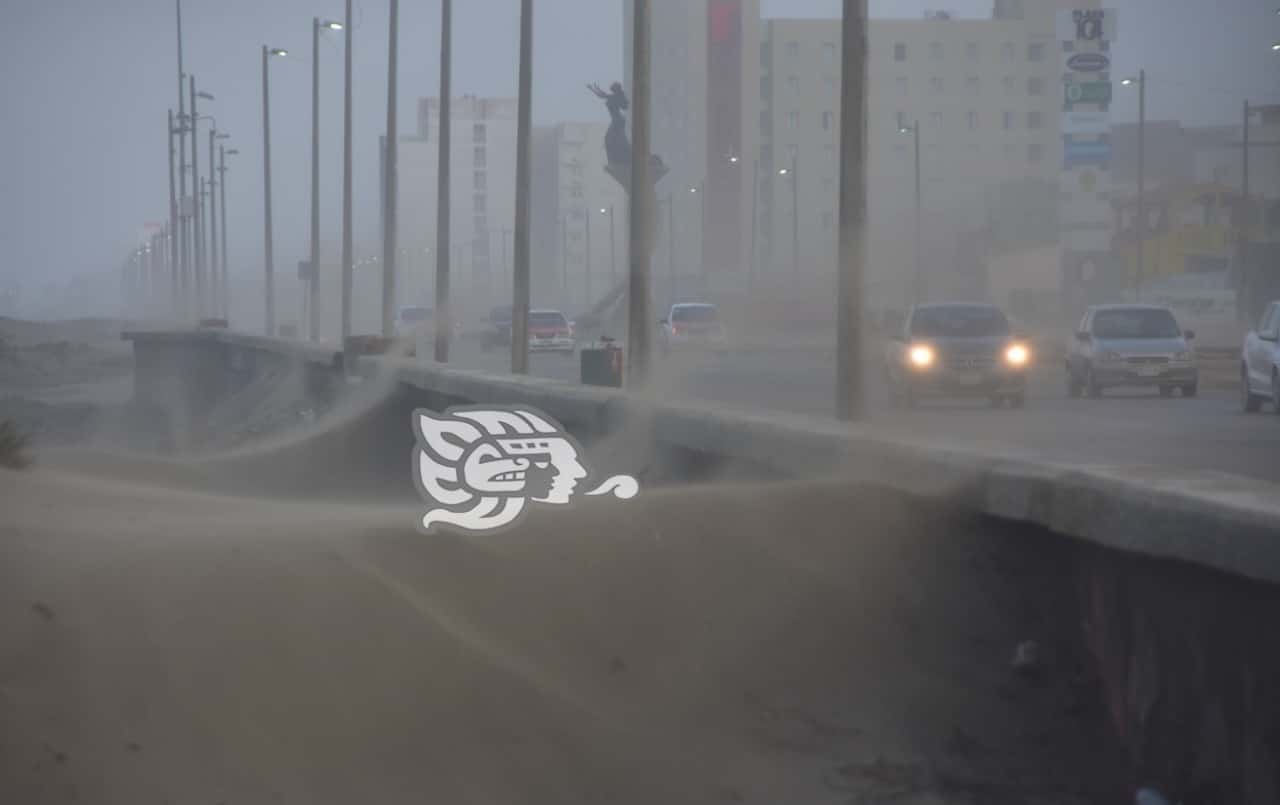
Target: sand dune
{"x": 793, "y": 643}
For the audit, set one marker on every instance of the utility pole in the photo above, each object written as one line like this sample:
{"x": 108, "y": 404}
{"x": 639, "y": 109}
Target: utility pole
{"x": 269, "y": 271}
{"x": 613, "y": 260}
{"x": 853, "y": 206}
{"x": 586, "y": 212}
{"x": 564, "y": 260}
{"x": 175, "y": 299}
{"x": 520, "y": 273}
{"x": 389, "y": 170}
{"x": 1141, "y": 229}
{"x": 346, "y": 188}
{"x": 671, "y": 248}
{"x": 640, "y": 327}
{"x": 444, "y": 317}
{"x": 1244, "y": 206}
{"x": 224, "y": 295}
{"x": 197, "y": 216}
{"x": 213, "y": 230}
{"x": 795, "y": 215}
{"x": 313, "y": 289}
{"x": 184, "y": 257}
{"x": 919, "y": 241}
{"x": 755, "y": 192}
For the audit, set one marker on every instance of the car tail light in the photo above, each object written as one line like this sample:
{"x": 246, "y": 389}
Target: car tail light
{"x": 675, "y": 330}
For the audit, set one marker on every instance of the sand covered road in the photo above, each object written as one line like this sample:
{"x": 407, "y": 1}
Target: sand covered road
{"x": 797, "y": 643}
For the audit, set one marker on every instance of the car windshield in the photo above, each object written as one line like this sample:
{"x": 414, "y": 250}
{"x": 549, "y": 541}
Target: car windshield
{"x": 694, "y": 314}
{"x": 547, "y": 320}
{"x": 413, "y": 315}
{"x": 1135, "y": 323}
{"x": 959, "y": 321}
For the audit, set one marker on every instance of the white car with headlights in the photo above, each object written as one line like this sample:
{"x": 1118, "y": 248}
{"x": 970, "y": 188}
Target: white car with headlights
{"x": 955, "y": 349}
{"x": 1131, "y": 345}
{"x": 1260, "y": 362}
{"x": 692, "y": 325}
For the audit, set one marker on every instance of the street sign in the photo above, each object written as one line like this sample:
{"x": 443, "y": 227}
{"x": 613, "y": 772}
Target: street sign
{"x": 1098, "y": 92}
{"x": 1093, "y": 152}
{"x": 1086, "y": 123}
{"x": 1086, "y": 25}
{"x": 1090, "y": 62}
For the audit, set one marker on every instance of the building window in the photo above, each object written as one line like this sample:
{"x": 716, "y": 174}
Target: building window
{"x": 973, "y": 84}
{"x": 793, "y": 151}
{"x": 477, "y": 132}
{"x": 765, "y": 123}
{"x": 1007, "y": 121}
{"x": 1034, "y": 119}
{"x": 765, "y": 84}
{"x": 935, "y": 50}
{"x": 479, "y": 202}
{"x": 828, "y": 220}
{"x": 900, "y": 149}
{"x": 971, "y": 50}
{"x": 828, "y": 53}
{"x": 899, "y": 51}
{"x": 793, "y": 50}
{"x": 480, "y": 224}
{"x": 829, "y": 81}
{"x": 793, "y": 83}
{"x": 901, "y": 84}
{"x": 1035, "y": 51}
{"x": 575, "y": 190}
{"x": 935, "y": 85}
{"x": 1007, "y": 82}
{"x": 900, "y": 122}
{"x": 973, "y": 120}
{"x": 793, "y": 120}
{"x": 1035, "y": 85}
{"x": 1007, "y": 150}
{"x": 826, "y": 120}
{"x": 1035, "y": 152}
{"x": 935, "y": 120}
{"x": 1007, "y": 52}
{"x": 478, "y": 180}
{"x": 479, "y": 156}
{"x": 764, "y": 52}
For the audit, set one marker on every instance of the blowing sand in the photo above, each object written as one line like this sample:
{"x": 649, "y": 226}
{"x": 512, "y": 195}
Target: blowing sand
{"x": 798, "y": 643}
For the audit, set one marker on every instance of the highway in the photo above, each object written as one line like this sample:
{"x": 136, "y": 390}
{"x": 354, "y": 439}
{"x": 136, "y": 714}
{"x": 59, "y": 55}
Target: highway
{"x": 1208, "y": 432}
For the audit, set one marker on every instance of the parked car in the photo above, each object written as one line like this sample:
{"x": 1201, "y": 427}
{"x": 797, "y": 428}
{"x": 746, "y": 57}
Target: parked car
{"x": 1260, "y": 362}
{"x": 691, "y": 324}
{"x": 956, "y": 349}
{"x": 497, "y": 332}
{"x": 550, "y": 331}
{"x": 1131, "y": 345}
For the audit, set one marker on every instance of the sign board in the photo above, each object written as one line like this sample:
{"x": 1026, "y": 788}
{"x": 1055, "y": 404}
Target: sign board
{"x": 1092, "y": 152}
{"x": 1088, "y": 62}
{"x": 1086, "y": 123}
{"x": 304, "y": 270}
{"x": 1086, "y": 25}
{"x": 1098, "y": 92}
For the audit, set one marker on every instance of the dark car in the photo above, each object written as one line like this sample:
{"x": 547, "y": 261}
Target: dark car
{"x": 498, "y": 330}
{"x": 957, "y": 350}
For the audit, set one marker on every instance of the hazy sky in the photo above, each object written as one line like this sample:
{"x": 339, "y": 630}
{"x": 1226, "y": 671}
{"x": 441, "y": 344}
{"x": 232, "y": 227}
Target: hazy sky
{"x": 86, "y": 85}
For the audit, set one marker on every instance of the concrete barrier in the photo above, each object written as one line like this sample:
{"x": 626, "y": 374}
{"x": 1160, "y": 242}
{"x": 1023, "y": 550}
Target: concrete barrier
{"x": 1178, "y": 572}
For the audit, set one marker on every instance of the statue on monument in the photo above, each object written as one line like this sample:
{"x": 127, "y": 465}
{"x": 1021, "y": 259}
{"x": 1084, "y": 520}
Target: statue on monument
{"x": 617, "y": 146}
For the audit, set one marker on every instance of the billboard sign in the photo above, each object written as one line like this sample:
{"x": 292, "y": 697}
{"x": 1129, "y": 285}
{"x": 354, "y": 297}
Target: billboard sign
{"x": 1076, "y": 154}
{"x": 1086, "y": 25}
{"x": 1092, "y": 92}
{"x": 1086, "y": 123}
{"x": 1088, "y": 62}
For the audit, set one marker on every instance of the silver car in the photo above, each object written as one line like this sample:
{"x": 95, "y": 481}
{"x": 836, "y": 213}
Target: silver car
{"x": 1131, "y": 345}
{"x": 1260, "y": 362}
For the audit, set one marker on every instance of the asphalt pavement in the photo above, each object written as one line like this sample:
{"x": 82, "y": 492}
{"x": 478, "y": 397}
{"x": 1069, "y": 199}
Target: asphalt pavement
{"x": 1208, "y": 432}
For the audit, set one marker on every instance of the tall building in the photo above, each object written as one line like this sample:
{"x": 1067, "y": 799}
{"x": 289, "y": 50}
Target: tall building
{"x": 578, "y": 217}
{"x": 482, "y": 201}
{"x": 704, "y": 113}
{"x": 984, "y": 93}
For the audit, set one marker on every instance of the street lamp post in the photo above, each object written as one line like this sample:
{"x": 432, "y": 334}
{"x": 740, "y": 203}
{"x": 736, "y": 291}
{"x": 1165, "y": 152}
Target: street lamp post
{"x": 314, "y": 279}
{"x": 613, "y": 260}
{"x": 269, "y": 268}
{"x": 390, "y": 170}
{"x": 443, "y": 317}
{"x": 795, "y": 214}
{"x": 671, "y": 247}
{"x": 347, "y": 245}
{"x": 174, "y": 290}
{"x": 1141, "y": 221}
{"x": 224, "y": 286}
{"x": 587, "y": 263}
{"x": 197, "y": 215}
{"x": 918, "y": 281}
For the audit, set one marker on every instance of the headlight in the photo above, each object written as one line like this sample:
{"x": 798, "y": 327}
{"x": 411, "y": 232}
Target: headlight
{"x": 921, "y": 356}
{"x": 1017, "y": 355}
{"x": 1184, "y": 355}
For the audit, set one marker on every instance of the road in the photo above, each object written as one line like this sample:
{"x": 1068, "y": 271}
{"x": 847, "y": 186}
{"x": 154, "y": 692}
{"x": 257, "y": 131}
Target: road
{"x": 1208, "y": 432}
